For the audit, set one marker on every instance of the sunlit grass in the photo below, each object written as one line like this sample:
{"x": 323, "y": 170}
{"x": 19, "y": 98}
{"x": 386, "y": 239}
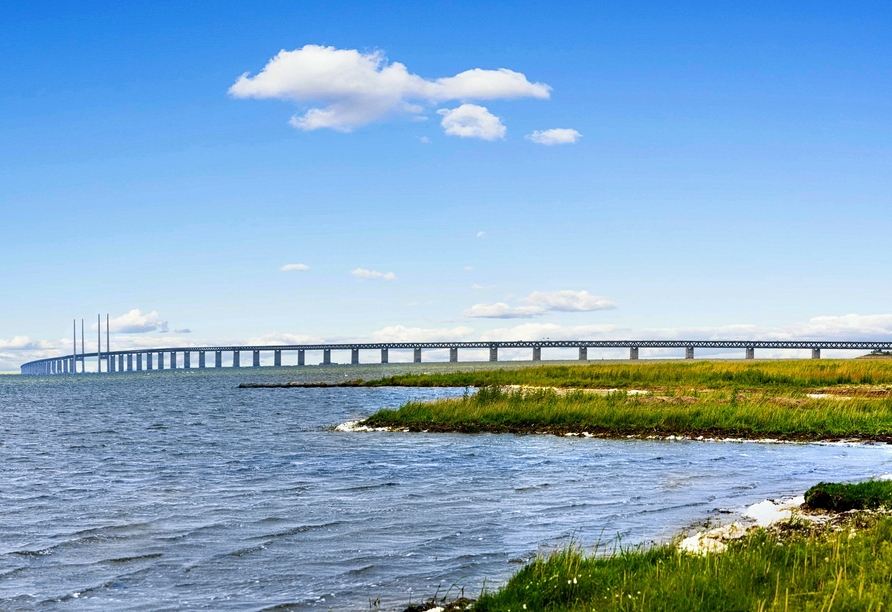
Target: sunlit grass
{"x": 824, "y": 570}
{"x": 724, "y": 413}
{"x": 798, "y": 374}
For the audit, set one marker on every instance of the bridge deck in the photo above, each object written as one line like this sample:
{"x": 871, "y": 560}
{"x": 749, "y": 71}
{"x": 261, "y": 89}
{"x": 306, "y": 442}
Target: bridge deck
{"x": 114, "y": 360}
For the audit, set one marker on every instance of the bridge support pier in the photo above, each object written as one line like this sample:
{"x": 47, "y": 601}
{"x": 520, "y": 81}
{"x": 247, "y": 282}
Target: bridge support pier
{"x": 201, "y": 359}
{"x": 417, "y": 355}
{"x": 537, "y": 353}
{"x": 148, "y": 361}
{"x": 633, "y": 352}
{"x": 139, "y": 362}
{"x": 256, "y": 361}
{"x": 750, "y": 353}
{"x": 689, "y": 352}
{"x": 277, "y": 358}
{"x": 384, "y": 356}
{"x": 494, "y": 353}
{"x": 301, "y": 357}
{"x": 326, "y": 356}
{"x": 453, "y": 354}
{"x": 160, "y": 360}
{"x": 111, "y": 364}
{"x": 583, "y": 353}
{"x": 187, "y": 359}
{"x": 120, "y": 363}
{"x": 816, "y": 353}
{"x": 236, "y": 357}
{"x": 354, "y": 356}
{"x": 218, "y": 359}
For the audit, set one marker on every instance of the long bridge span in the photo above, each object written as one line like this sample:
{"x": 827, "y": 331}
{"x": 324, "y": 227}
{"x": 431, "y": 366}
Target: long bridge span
{"x": 136, "y": 360}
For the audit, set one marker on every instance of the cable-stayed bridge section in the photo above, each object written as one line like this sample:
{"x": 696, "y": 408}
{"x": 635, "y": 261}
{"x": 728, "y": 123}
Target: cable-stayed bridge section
{"x": 173, "y": 358}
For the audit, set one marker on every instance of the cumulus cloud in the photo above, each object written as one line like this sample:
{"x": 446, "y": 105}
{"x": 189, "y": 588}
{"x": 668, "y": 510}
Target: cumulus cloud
{"x": 568, "y": 301}
{"x": 135, "y": 322}
{"x": 24, "y": 343}
{"x": 400, "y": 333}
{"x": 481, "y": 234}
{"x": 295, "y": 267}
{"x": 554, "y": 136}
{"x": 501, "y": 310}
{"x": 472, "y": 121}
{"x": 551, "y": 331}
{"x": 373, "y": 274}
{"x": 278, "y": 338}
{"x": 358, "y": 88}
{"x": 541, "y": 302}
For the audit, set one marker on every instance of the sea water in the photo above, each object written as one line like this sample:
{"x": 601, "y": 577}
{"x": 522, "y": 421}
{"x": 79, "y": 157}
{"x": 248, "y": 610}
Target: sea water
{"x": 180, "y": 491}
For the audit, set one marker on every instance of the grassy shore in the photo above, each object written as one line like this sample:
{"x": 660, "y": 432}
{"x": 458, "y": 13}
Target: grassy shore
{"x": 786, "y": 400}
{"x": 840, "y": 564}
{"x": 793, "y": 374}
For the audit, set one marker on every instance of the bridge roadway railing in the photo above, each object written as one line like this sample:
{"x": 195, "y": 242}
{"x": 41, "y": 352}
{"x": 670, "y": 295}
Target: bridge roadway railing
{"x": 154, "y": 359}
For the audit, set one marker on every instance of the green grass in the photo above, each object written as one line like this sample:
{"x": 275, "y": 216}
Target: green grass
{"x": 820, "y": 571}
{"x": 720, "y": 413}
{"x": 837, "y": 497}
{"x": 794, "y": 374}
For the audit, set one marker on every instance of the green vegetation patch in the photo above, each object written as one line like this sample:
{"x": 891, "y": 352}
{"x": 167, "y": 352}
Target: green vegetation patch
{"x": 794, "y": 374}
{"x": 839, "y": 497}
{"x": 824, "y": 570}
{"x": 711, "y": 414}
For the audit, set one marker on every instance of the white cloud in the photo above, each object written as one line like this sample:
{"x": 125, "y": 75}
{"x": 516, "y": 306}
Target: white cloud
{"x": 501, "y": 310}
{"x": 358, "y": 88}
{"x": 481, "y": 234}
{"x": 541, "y": 331}
{"x": 539, "y": 303}
{"x": 277, "y": 338}
{"x": 185, "y": 330}
{"x": 568, "y": 301}
{"x": 472, "y": 121}
{"x": 469, "y": 268}
{"x": 425, "y": 140}
{"x": 295, "y": 267}
{"x": 373, "y": 274}
{"x": 846, "y": 327}
{"x": 24, "y": 343}
{"x": 400, "y": 333}
{"x": 134, "y": 322}
{"x": 554, "y": 136}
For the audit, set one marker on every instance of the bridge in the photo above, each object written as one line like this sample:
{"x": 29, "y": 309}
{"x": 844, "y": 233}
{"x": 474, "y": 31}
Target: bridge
{"x": 136, "y": 360}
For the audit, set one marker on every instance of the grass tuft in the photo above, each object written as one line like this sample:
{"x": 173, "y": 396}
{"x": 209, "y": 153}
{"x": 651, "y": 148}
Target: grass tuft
{"x": 839, "y": 497}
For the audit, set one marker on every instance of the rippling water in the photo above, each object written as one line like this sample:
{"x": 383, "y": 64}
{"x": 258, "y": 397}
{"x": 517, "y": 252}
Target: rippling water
{"x": 180, "y": 491}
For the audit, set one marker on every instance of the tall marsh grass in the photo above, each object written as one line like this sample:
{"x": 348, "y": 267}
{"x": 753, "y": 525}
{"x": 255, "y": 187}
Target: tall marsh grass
{"x": 727, "y": 413}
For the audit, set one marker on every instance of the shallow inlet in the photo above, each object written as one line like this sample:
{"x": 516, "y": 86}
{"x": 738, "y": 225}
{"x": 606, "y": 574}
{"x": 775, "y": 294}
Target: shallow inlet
{"x": 139, "y": 493}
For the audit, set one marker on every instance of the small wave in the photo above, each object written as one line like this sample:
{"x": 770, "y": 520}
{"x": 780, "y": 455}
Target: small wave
{"x": 248, "y": 550}
{"x": 134, "y": 558}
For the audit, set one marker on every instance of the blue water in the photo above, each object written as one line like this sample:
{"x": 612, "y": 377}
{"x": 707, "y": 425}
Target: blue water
{"x": 180, "y": 491}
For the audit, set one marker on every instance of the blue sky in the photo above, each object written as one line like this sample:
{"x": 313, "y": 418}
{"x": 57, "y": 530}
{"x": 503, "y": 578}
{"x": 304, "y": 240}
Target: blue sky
{"x": 732, "y": 178}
